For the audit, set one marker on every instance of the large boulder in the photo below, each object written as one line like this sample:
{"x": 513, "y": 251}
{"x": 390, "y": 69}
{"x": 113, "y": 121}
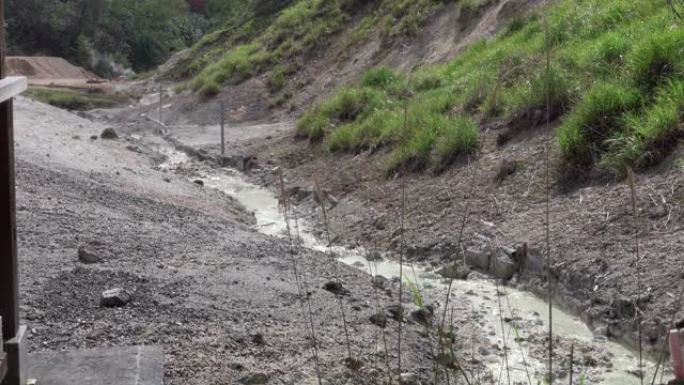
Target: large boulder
{"x": 502, "y": 265}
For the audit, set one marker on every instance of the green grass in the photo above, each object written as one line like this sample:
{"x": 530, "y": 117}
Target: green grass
{"x": 248, "y": 45}
{"x": 77, "y": 100}
{"x": 617, "y": 69}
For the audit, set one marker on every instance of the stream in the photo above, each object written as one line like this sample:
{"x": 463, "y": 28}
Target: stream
{"x": 477, "y": 296}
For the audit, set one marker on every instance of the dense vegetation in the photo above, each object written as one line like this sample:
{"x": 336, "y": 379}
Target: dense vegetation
{"x": 109, "y": 35}
{"x": 616, "y": 79}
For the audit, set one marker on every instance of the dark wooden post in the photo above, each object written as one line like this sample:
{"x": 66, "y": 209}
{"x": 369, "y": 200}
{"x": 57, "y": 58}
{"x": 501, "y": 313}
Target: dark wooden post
{"x": 13, "y": 335}
{"x": 9, "y": 307}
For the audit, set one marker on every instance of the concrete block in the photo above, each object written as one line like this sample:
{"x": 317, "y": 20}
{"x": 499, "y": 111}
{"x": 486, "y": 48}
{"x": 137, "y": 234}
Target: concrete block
{"x": 141, "y": 365}
{"x": 16, "y": 358}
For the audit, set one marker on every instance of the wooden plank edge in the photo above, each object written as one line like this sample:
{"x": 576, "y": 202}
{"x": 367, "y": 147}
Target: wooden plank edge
{"x": 12, "y": 86}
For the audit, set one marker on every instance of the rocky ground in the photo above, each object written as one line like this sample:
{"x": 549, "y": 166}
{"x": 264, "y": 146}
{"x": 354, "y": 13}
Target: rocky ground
{"x": 96, "y": 214}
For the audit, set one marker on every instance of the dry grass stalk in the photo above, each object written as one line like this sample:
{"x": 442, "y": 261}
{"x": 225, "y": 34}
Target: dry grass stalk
{"x": 352, "y": 362}
{"x": 635, "y": 211}
{"x": 503, "y": 333}
{"x": 285, "y": 207}
{"x": 547, "y": 224}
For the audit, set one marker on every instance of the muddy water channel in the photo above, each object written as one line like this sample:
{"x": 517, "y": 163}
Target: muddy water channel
{"x": 497, "y": 310}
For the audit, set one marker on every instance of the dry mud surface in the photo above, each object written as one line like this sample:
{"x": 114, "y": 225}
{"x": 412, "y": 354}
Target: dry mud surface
{"x": 216, "y": 295}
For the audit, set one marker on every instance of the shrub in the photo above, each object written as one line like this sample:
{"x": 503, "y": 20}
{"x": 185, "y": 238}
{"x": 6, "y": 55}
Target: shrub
{"x": 379, "y": 77}
{"x": 658, "y": 58}
{"x": 313, "y": 125}
{"x": 459, "y": 136}
{"x": 349, "y": 103}
{"x": 340, "y": 139}
{"x": 650, "y": 135}
{"x": 276, "y": 81}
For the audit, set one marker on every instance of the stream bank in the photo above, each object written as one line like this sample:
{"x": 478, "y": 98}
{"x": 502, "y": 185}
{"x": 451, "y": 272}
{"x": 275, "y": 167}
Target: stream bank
{"x": 479, "y": 298}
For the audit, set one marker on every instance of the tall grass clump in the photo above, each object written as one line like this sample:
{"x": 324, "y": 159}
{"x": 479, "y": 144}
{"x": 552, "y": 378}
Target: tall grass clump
{"x": 658, "y": 58}
{"x": 459, "y": 136}
{"x": 380, "y": 77}
{"x": 650, "y": 135}
{"x": 585, "y": 134}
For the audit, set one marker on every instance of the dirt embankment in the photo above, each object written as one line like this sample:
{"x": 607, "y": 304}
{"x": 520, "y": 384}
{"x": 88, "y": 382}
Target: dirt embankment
{"x": 47, "y": 71}
{"x": 503, "y": 192}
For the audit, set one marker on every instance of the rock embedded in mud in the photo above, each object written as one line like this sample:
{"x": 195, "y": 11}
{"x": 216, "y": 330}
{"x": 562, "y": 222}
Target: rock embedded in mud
{"x": 254, "y": 379}
{"x": 335, "y": 287}
{"x": 395, "y": 312}
{"x": 109, "y": 133}
{"x": 454, "y": 271}
{"x": 422, "y": 315}
{"x": 88, "y": 255}
{"x": 379, "y": 319}
{"x": 478, "y": 257}
{"x": 379, "y": 282}
{"x": 114, "y": 298}
{"x": 408, "y": 379}
{"x": 374, "y": 256}
{"x": 502, "y": 265}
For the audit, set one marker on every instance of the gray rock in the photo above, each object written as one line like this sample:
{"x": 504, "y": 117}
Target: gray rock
{"x": 254, "y": 379}
{"x": 114, "y": 298}
{"x": 454, "y": 271}
{"x": 379, "y": 281}
{"x": 408, "y": 379}
{"x": 422, "y": 315}
{"x": 198, "y": 182}
{"x": 374, "y": 256}
{"x": 380, "y": 222}
{"x": 335, "y": 288}
{"x": 395, "y": 312}
{"x": 502, "y": 265}
{"x": 600, "y": 331}
{"x": 109, "y": 133}
{"x": 379, "y": 319}
{"x": 88, "y": 255}
{"x": 478, "y": 257}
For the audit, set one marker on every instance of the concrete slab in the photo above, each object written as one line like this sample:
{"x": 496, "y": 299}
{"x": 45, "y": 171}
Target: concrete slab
{"x": 16, "y": 358}
{"x": 136, "y": 365}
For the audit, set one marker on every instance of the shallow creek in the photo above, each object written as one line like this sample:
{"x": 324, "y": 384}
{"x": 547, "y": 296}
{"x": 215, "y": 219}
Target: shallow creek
{"x": 476, "y": 296}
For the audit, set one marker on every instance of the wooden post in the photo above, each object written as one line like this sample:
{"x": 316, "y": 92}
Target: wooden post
{"x": 9, "y": 304}
{"x": 13, "y": 335}
{"x": 223, "y": 126}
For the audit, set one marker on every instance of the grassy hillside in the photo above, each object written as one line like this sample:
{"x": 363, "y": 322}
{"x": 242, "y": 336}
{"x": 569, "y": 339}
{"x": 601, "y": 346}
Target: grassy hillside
{"x": 255, "y": 43}
{"x": 616, "y": 79}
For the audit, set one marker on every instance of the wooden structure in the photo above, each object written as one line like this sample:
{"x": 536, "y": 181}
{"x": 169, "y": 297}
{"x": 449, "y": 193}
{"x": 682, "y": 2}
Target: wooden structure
{"x": 12, "y": 334}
